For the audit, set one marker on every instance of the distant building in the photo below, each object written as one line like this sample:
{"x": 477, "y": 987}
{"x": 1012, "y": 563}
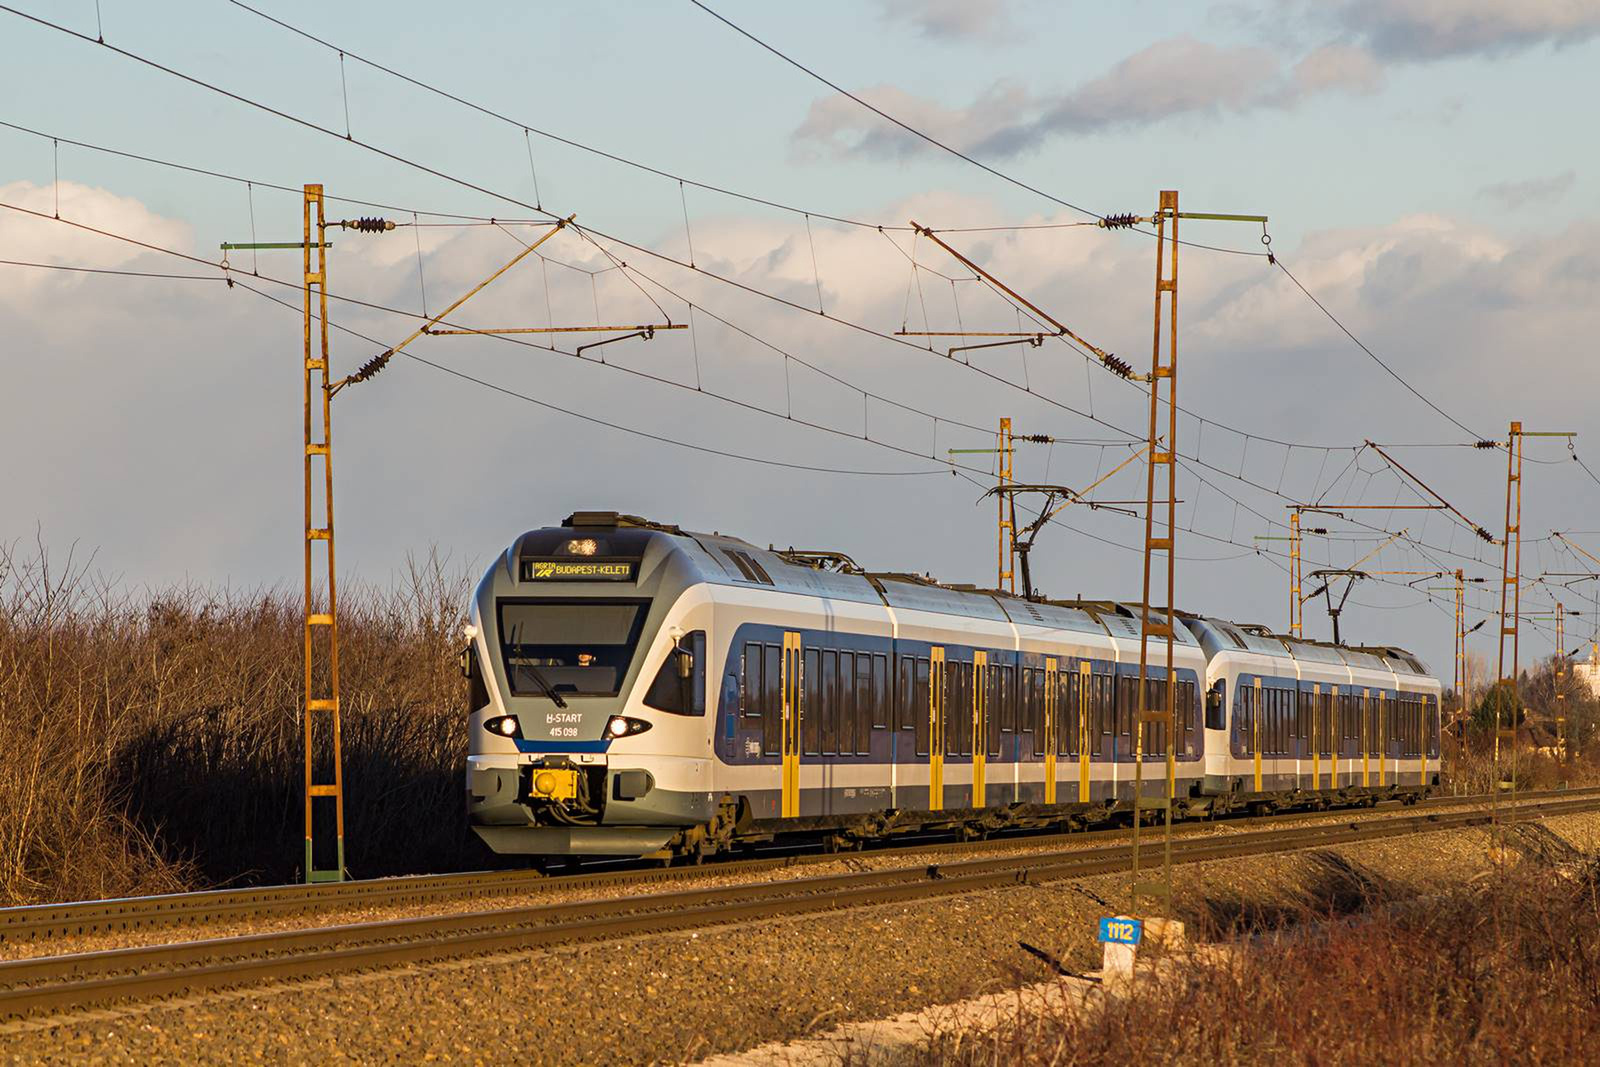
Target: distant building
{"x": 1589, "y": 673}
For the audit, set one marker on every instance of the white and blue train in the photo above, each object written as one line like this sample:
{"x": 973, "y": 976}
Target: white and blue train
{"x": 637, "y": 690}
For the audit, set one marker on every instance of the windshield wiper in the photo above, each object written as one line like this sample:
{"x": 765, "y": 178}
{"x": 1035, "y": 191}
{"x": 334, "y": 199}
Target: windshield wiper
{"x": 544, "y": 683}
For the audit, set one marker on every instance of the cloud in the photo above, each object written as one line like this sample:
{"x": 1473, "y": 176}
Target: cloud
{"x": 1177, "y": 77}
{"x": 1545, "y": 190}
{"x": 42, "y": 240}
{"x": 1183, "y": 76}
{"x": 162, "y": 421}
{"x": 949, "y": 19}
{"x": 1436, "y": 29}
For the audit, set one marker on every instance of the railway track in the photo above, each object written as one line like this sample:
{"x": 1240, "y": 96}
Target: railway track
{"x": 54, "y": 922}
{"x": 58, "y": 983}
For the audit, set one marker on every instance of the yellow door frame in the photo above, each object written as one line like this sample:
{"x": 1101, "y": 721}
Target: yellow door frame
{"x": 1255, "y": 731}
{"x": 1050, "y": 701}
{"x": 1383, "y": 735}
{"x": 1316, "y": 753}
{"x": 980, "y": 707}
{"x": 791, "y": 674}
{"x": 1366, "y": 739}
{"x": 936, "y": 729}
{"x": 1085, "y": 683}
{"x": 1422, "y": 740}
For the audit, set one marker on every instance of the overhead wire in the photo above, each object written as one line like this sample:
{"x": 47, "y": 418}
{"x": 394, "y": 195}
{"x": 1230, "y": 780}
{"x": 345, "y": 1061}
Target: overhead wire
{"x": 481, "y": 189}
{"x": 754, "y": 408}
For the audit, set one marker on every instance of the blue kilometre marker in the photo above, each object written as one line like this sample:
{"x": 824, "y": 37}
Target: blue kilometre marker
{"x": 1121, "y": 931}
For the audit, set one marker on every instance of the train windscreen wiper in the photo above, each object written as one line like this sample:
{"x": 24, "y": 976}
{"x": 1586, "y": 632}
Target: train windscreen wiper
{"x": 544, "y": 683}
{"x": 534, "y": 671}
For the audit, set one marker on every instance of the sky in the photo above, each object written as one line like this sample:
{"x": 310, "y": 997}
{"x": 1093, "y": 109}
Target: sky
{"x": 1423, "y": 164}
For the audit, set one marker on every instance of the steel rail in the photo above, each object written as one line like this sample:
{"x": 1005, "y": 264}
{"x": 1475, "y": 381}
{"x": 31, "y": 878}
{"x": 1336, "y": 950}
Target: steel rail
{"x": 52, "y": 922}
{"x": 57, "y": 983}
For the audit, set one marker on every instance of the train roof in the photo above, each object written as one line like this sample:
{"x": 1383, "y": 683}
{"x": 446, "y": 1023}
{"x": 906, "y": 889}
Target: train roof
{"x": 1222, "y": 635}
{"x": 723, "y": 559}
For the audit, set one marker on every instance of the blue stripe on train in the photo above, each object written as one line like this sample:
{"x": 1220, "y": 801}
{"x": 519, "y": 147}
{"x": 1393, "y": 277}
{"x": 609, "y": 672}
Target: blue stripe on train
{"x": 601, "y": 745}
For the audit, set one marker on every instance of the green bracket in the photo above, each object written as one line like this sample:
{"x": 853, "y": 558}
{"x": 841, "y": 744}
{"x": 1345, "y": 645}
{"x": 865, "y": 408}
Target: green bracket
{"x": 228, "y": 246}
{"x": 1214, "y": 217}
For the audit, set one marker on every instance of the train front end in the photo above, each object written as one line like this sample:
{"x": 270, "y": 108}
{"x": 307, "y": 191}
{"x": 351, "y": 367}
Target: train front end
{"x": 587, "y": 666}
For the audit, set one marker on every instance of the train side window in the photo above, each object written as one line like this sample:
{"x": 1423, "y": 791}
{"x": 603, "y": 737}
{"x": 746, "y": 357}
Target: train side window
{"x": 1008, "y": 704}
{"x": 879, "y": 688}
{"x": 671, "y": 691}
{"x": 905, "y": 701}
{"x": 1215, "y": 703}
{"x": 995, "y": 709}
{"x": 921, "y": 709}
{"x": 750, "y": 687}
{"x": 1286, "y": 729}
{"x": 1068, "y": 713}
{"x": 1186, "y": 710}
{"x": 830, "y": 702}
{"x": 811, "y": 709}
{"x": 477, "y": 691}
{"x": 863, "y": 704}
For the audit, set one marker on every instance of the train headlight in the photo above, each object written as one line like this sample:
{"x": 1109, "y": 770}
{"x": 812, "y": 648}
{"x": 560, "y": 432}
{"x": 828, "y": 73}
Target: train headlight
{"x": 503, "y": 726}
{"x": 583, "y": 546}
{"x": 622, "y": 726}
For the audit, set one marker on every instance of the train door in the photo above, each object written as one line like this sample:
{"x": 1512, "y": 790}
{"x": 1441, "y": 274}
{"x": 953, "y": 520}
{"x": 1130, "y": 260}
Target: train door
{"x": 1330, "y": 735}
{"x": 980, "y": 731}
{"x": 1366, "y": 737}
{"x": 791, "y": 714}
{"x": 936, "y": 729}
{"x": 1314, "y": 739}
{"x": 1085, "y": 684}
{"x": 1050, "y": 728}
{"x": 1257, "y": 708}
{"x": 1383, "y": 736}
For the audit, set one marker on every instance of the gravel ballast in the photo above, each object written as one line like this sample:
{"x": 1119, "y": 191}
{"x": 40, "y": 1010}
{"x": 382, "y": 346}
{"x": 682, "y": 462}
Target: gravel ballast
{"x": 684, "y": 996}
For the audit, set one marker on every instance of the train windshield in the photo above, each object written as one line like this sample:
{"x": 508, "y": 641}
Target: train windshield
{"x": 575, "y": 646}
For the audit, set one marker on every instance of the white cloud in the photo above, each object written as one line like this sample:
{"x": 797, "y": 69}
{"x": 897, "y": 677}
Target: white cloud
{"x": 30, "y": 238}
{"x": 1435, "y": 29}
{"x": 1545, "y": 190}
{"x": 1177, "y": 77}
{"x": 949, "y": 19}
{"x": 172, "y": 414}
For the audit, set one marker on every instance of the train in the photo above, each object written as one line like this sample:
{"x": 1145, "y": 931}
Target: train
{"x": 639, "y": 690}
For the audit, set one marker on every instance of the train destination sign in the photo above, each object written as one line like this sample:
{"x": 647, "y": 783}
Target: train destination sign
{"x": 576, "y": 570}
{"x": 1121, "y": 930}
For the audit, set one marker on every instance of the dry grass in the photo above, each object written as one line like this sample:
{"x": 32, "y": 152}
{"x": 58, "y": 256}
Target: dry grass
{"x": 1502, "y": 971}
{"x": 151, "y": 742}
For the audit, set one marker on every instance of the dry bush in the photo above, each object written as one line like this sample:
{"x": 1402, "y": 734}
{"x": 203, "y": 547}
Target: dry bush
{"x": 152, "y": 742}
{"x": 1503, "y": 971}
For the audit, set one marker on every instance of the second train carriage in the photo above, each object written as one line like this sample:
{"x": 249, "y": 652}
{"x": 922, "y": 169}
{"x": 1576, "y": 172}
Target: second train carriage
{"x": 639, "y": 689}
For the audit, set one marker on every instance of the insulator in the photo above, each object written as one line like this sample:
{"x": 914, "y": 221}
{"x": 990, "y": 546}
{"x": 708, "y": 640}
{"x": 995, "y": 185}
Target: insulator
{"x": 1321, "y": 531}
{"x": 372, "y": 367}
{"x": 1484, "y": 534}
{"x": 1487, "y": 444}
{"x": 1118, "y": 222}
{"x": 368, "y": 225}
{"x": 1036, "y": 438}
{"x": 1117, "y": 366}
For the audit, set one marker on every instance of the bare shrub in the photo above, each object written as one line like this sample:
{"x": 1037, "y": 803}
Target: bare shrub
{"x": 1503, "y": 971}
{"x": 152, "y": 741}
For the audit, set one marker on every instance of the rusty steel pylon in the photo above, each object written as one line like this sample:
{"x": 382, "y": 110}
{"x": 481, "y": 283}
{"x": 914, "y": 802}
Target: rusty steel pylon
{"x": 1160, "y": 537}
{"x": 1007, "y": 551}
{"x": 1505, "y": 686}
{"x": 321, "y": 686}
